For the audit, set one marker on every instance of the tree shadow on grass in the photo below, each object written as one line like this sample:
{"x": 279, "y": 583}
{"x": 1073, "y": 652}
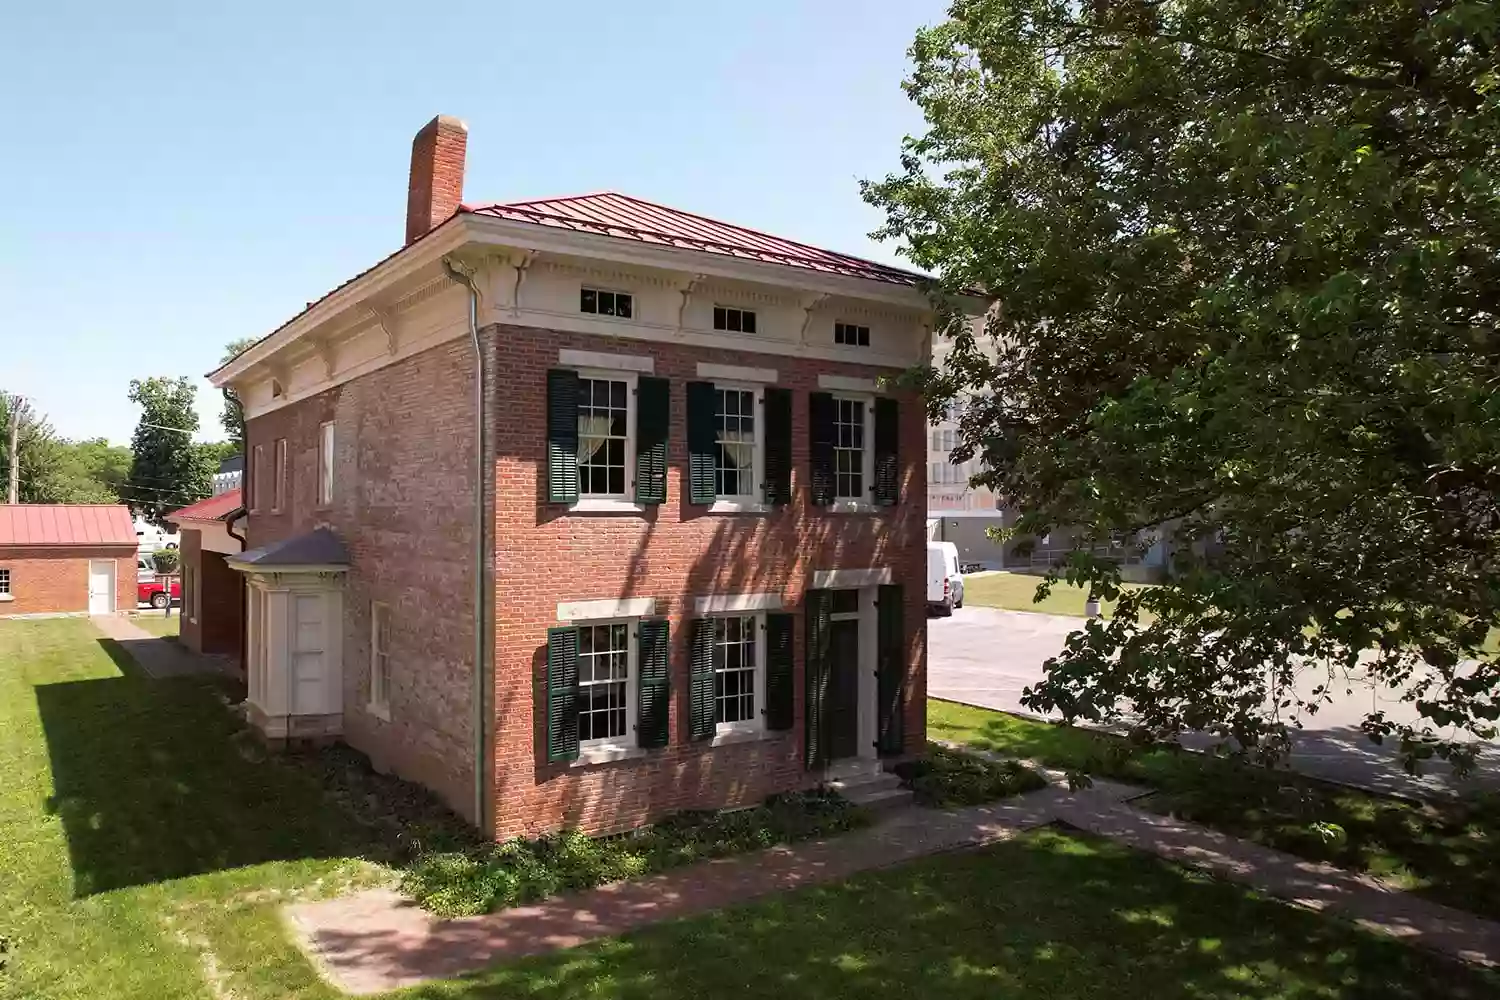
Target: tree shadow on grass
{"x": 158, "y": 779}
{"x": 1048, "y": 914}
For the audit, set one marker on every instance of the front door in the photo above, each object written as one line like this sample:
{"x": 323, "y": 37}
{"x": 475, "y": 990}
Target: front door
{"x": 843, "y": 688}
{"x": 101, "y": 586}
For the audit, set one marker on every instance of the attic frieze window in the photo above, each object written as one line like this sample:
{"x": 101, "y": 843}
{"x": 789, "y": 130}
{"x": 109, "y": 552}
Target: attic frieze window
{"x": 734, "y": 320}
{"x": 599, "y": 302}
{"x": 851, "y": 334}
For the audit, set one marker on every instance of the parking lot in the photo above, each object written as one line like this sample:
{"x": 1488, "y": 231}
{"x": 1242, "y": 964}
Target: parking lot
{"x": 988, "y": 657}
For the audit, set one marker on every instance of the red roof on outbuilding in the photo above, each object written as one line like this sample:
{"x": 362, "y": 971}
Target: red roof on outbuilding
{"x": 66, "y": 524}
{"x": 214, "y": 508}
{"x": 619, "y": 215}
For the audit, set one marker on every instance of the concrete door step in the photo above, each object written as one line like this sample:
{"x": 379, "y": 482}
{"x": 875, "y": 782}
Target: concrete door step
{"x": 880, "y": 791}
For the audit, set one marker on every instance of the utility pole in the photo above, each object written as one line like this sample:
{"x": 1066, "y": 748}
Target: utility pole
{"x": 13, "y": 494}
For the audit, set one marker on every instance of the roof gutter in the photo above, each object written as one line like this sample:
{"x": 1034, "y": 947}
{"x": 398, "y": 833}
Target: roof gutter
{"x": 480, "y": 695}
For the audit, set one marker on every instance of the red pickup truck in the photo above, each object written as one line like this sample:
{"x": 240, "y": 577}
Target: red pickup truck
{"x": 154, "y": 593}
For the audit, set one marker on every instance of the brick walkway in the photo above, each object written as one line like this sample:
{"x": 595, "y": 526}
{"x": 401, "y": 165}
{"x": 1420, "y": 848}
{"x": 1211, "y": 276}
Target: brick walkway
{"x": 159, "y": 658}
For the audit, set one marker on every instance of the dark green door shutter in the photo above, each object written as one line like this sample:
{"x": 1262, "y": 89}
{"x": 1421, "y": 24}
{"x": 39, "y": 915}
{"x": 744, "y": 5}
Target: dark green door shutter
{"x": 887, "y": 464}
{"x": 820, "y": 414}
{"x": 890, "y": 669}
{"x": 562, "y": 693}
{"x": 781, "y": 692}
{"x": 819, "y": 604}
{"x": 703, "y": 441}
{"x": 562, "y": 436}
{"x": 653, "y": 417}
{"x": 778, "y": 450}
{"x": 654, "y": 685}
{"x": 701, "y": 724}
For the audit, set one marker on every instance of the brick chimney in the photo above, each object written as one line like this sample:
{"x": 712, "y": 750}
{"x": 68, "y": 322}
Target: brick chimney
{"x": 436, "y": 186}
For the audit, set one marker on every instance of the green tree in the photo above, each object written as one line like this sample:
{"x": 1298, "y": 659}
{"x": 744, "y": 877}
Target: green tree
{"x": 169, "y": 470}
{"x": 91, "y": 471}
{"x": 1246, "y": 255}
{"x": 233, "y": 415}
{"x": 36, "y": 450}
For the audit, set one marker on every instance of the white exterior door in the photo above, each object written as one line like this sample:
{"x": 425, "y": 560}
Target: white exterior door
{"x": 101, "y": 586}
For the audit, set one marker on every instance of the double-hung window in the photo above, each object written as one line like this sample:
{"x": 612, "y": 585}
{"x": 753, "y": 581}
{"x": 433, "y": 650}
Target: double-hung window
{"x": 606, "y": 445}
{"x": 4, "y": 583}
{"x": 606, "y": 676}
{"x": 739, "y": 658}
{"x": 278, "y": 484}
{"x": 739, "y": 459}
{"x": 852, "y": 435}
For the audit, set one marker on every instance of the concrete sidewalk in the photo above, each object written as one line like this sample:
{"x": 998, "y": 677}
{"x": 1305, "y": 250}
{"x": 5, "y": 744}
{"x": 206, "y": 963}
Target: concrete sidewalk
{"x": 158, "y": 658}
{"x": 374, "y": 941}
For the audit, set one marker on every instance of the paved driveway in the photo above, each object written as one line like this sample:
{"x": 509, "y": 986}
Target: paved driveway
{"x": 985, "y": 656}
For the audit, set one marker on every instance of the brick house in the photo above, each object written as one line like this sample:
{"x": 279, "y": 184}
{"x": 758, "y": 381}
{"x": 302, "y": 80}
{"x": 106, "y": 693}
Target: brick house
{"x": 66, "y": 559}
{"x": 213, "y": 595}
{"x": 585, "y": 510}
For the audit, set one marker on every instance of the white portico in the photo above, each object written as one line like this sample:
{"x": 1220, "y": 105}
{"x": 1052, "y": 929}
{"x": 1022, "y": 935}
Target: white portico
{"x": 294, "y": 635}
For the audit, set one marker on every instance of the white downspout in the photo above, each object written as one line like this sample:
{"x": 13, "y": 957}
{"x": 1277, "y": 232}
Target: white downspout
{"x": 479, "y": 696}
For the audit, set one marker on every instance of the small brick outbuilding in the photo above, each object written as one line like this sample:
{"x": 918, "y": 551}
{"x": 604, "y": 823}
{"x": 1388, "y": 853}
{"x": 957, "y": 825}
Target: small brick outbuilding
{"x": 66, "y": 559}
{"x": 213, "y": 595}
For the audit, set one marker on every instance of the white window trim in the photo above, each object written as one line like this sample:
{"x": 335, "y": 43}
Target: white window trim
{"x": 326, "y": 444}
{"x": 756, "y": 724}
{"x": 850, "y": 579}
{"x": 599, "y": 503}
{"x": 736, "y": 373}
{"x": 736, "y": 603}
{"x": 865, "y": 504}
{"x": 752, "y": 502}
{"x": 843, "y": 383}
{"x": 379, "y": 704}
{"x": 278, "y": 473}
{"x": 609, "y": 609}
{"x": 742, "y": 310}
{"x": 599, "y": 751}
{"x": 5, "y": 595}
{"x": 257, "y": 474}
{"x": 643, "y": 364}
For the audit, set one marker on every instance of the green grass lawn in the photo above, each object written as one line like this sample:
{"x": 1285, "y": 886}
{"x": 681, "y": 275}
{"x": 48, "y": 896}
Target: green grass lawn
{"x": 1044, "y": 915}
{"x": 147, "y": 845}
{"x": 1448, "y": 852}
{"x": 1014, "y": 592}
{"x": 156, "y": 623}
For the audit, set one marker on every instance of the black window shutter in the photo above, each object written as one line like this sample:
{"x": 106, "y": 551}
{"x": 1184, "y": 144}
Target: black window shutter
{"x": 701, "y": 721}
{"x": 653, "y": 684}
{"x": 653, "y": 417}
{"x": 778, "y": 450}
{"x": 890, "y": 669}
{"x": 781, "y": 692}
{"x": 819, "y": 604}
{"x": 703, "y": 441}
{"x": 562, "y": 693}
{"x": 887, "y": 464}
{"x": 562, "y": 436}
{"x": 820, "y": 414}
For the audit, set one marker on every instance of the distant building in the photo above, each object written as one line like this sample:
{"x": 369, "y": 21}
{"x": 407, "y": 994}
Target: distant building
{"x": 231, "y": 471}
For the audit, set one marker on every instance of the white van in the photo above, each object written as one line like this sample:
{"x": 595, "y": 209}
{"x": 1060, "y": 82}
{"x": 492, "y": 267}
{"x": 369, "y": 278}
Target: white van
{"x": 945, "y": 584}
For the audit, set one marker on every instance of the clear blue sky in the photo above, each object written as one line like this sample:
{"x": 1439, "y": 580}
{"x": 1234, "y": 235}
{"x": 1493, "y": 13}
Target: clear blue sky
{"x": 180, "y": 175}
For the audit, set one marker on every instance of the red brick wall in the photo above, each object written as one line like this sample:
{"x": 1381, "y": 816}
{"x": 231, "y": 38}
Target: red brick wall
{"x": 403, "y": 504}
{"x": 220, "y": 599}
{"x": 673, "y": 553}
{"x": 44, "y": 581}
{"x": 190, "y": 555}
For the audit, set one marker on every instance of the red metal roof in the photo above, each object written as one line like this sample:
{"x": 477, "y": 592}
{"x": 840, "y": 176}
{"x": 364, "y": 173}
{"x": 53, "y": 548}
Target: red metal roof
{"x": 66, "y": 524}
{"x": 619, "y": 215}
{"x": 214, "y": 508}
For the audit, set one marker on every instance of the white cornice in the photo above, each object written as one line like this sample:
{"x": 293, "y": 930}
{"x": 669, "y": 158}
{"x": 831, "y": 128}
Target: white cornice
{"x": 359, "y": 291}
{"x": 503, "y": 232}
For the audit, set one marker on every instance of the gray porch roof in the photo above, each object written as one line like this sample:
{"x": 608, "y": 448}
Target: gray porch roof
{"x": 320, "y": 548}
